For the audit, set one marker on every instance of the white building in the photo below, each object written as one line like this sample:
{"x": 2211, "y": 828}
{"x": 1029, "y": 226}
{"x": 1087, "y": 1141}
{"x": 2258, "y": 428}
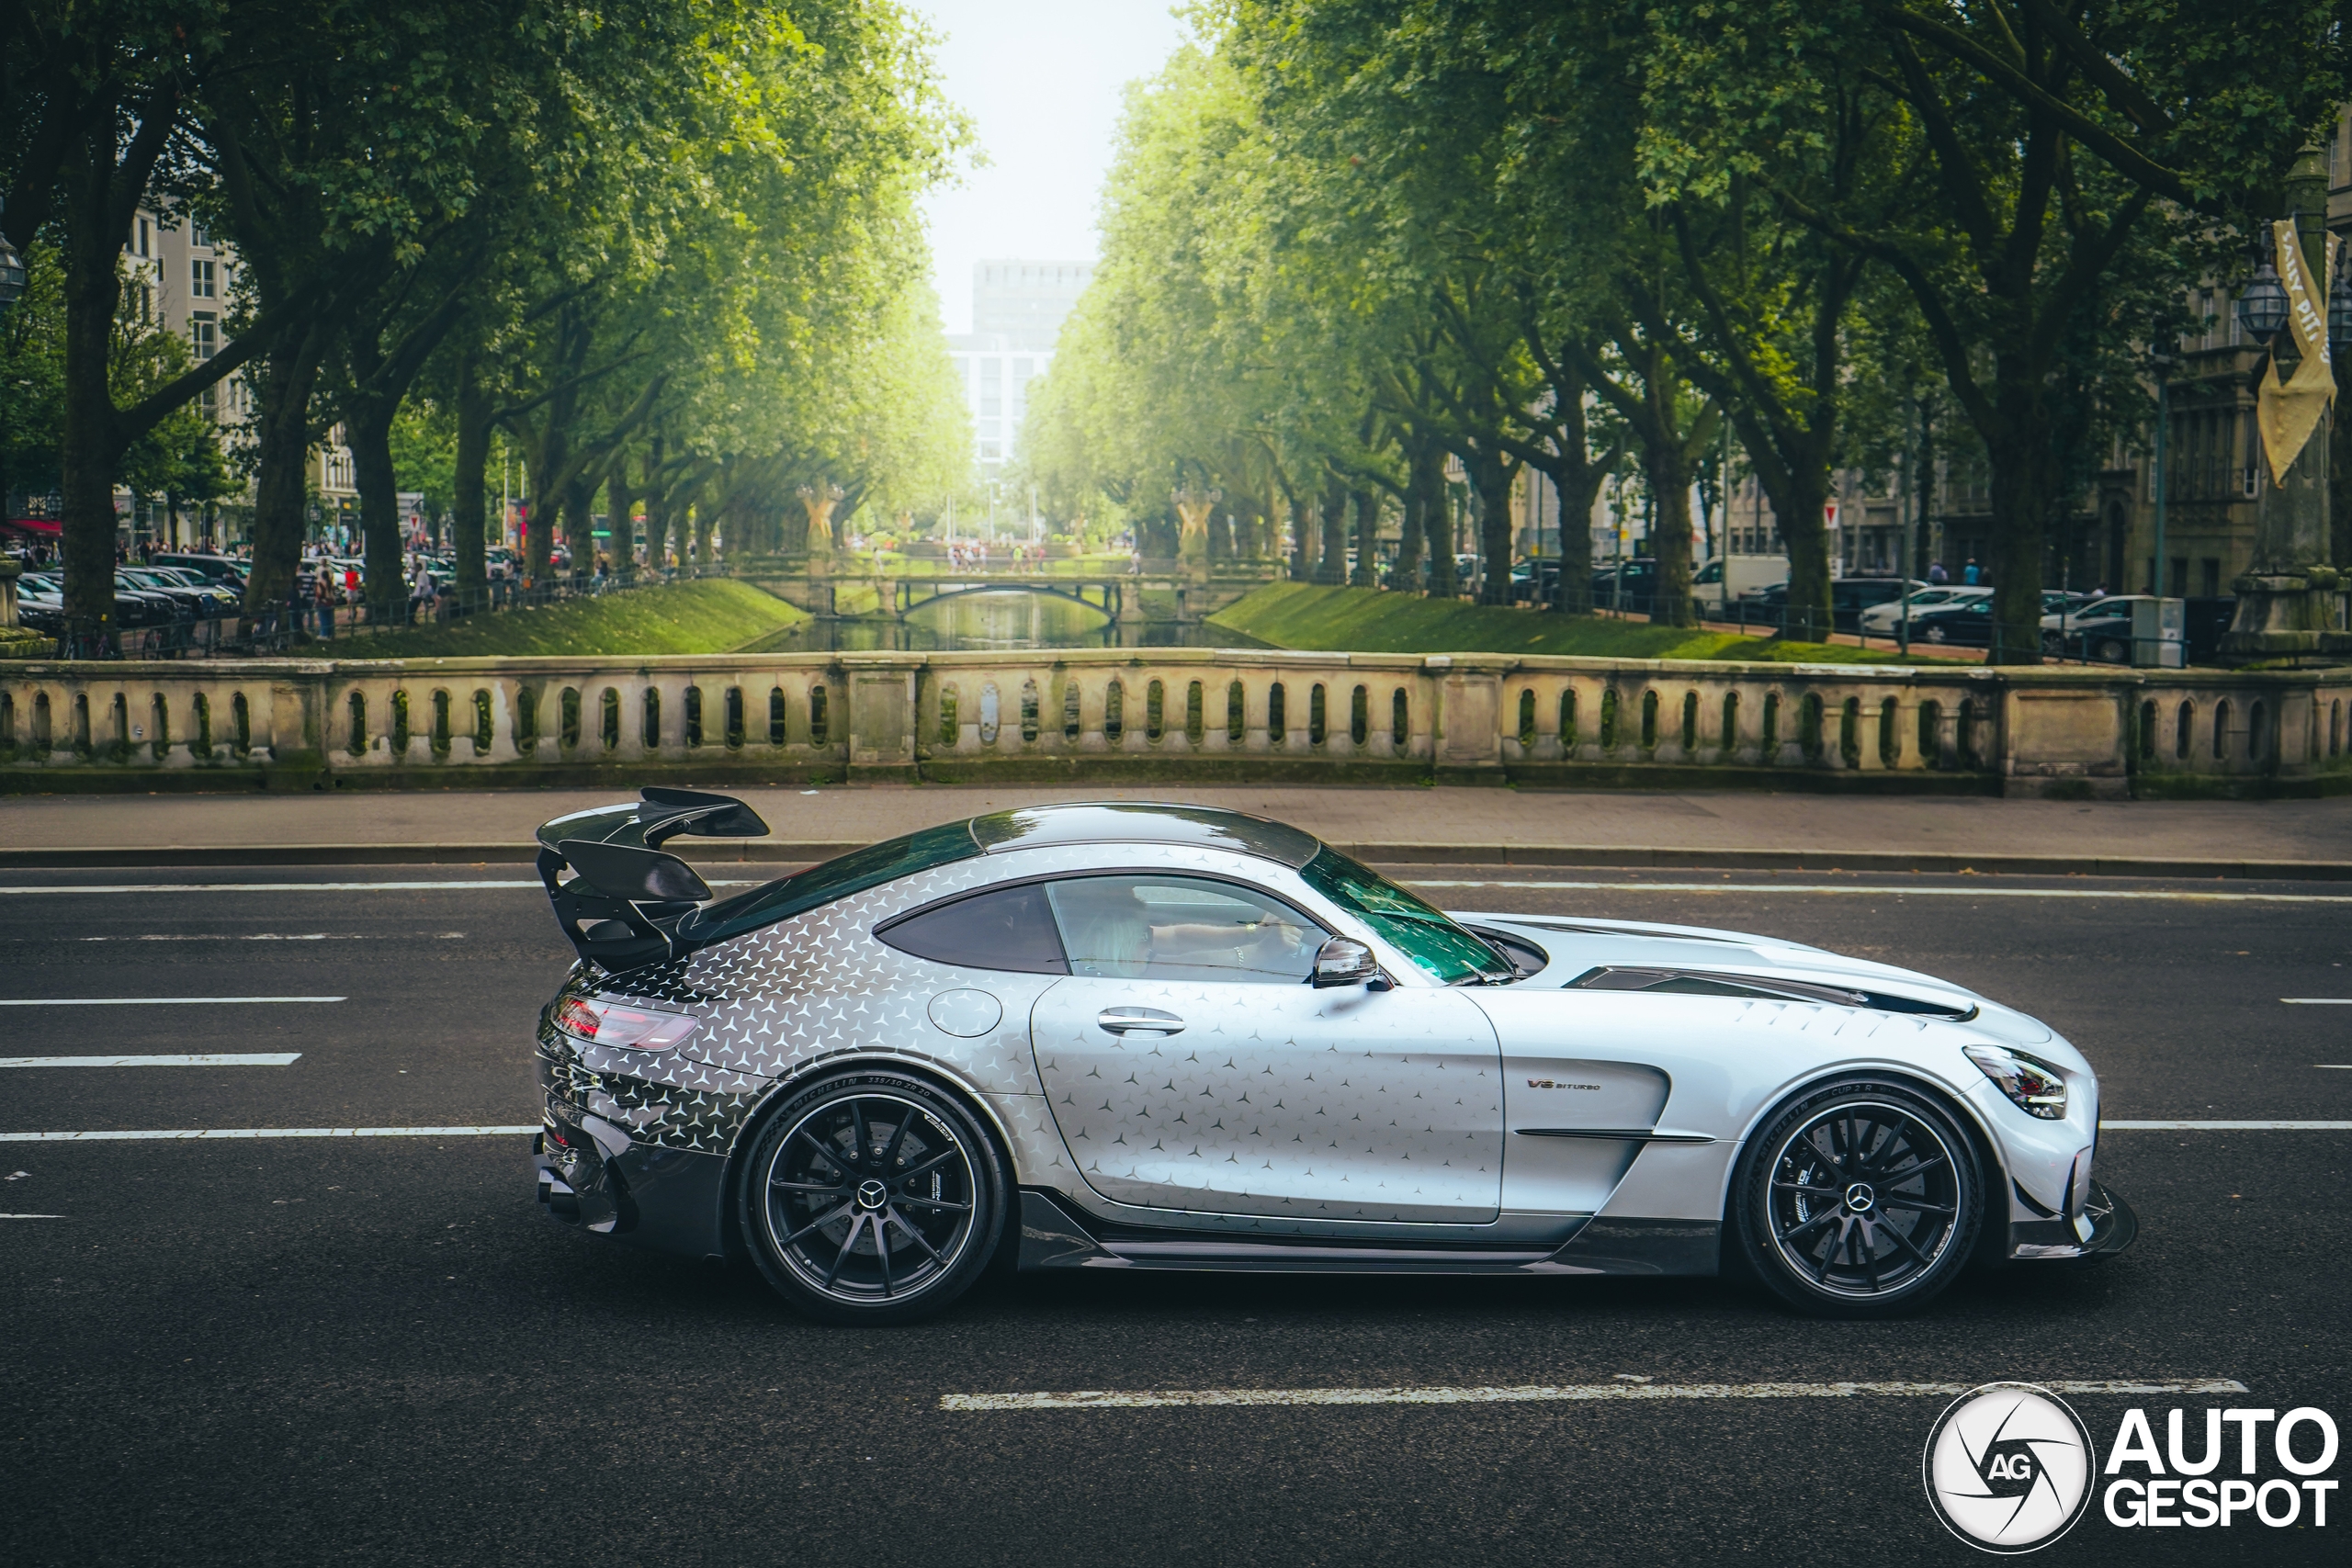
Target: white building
{"x": 1017, "y": 311}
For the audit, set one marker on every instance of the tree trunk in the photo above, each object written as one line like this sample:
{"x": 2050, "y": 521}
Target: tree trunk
{"x": 1666, "y": 468}
{"x": 1367, "y": 510}
{"x": 1493, "y": 475}
{"x": 87, "y": 455}
{"x": 1800, "y": 505}
{"x": 580, "y": 525}
{"x": 470, "y": 498}
{"x": 367, "y": 426}
{"x": 2027, "y": 487}
{"x": 1412, "y": 536}
{"x": 1437, "y": 522}
{"x": 281, "y": 471}
{"x": 619, "y": 500}
{"x": 1331, "y": 565}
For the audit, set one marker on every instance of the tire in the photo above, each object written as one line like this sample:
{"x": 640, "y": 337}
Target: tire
{"x": 872, "y": 1198}
{"x": 2053, "y": 645}
{"x": 1935, "y": 633}
{"x": 2114, "y": 651}
{"x": 1811, "y": 1201}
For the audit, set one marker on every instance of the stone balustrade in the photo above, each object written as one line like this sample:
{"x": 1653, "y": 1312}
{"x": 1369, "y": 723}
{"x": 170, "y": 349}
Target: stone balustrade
{"x": 1138, "y": 715}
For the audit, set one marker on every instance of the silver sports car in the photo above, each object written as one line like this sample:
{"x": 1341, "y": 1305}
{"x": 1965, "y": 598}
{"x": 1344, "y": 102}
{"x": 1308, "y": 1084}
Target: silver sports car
{"x": 1140, "y": 1036}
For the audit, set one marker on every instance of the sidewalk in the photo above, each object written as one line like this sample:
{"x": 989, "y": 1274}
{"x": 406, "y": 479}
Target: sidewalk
{"x": 1733, "y": 830}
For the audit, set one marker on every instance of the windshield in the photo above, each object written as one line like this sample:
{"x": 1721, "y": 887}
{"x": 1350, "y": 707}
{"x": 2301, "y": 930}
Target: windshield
{"x": 1439, "y": 948}
{"x": 837, "y": 878}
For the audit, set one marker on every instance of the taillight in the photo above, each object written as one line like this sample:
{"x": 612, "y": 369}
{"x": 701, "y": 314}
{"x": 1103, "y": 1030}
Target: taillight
{"x": 620, "y": 1025}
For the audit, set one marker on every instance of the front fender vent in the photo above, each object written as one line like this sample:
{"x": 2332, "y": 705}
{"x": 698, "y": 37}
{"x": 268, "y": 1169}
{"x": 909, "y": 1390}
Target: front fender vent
{"x": 1757, "y": 987}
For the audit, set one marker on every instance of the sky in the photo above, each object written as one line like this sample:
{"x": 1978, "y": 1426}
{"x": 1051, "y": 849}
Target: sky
{"x": 1042, "y": 81}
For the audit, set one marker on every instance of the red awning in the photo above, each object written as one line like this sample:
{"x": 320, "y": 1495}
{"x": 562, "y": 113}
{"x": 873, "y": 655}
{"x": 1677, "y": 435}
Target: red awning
{"x": 40, "y": 525}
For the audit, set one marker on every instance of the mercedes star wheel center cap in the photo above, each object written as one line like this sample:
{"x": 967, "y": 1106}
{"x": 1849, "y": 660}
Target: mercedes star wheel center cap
{"x": 872, "y": 1194}
{"x": 1858, "y": 1197}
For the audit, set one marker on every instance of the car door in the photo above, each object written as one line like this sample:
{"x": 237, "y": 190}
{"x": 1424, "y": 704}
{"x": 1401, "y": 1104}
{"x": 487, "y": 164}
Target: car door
{"x": 1192, "y": 1067}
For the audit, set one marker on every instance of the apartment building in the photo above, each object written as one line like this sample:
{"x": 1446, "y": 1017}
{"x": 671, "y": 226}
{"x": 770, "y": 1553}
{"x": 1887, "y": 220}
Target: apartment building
{"x": 182, "y": 279}
{"x": 1018, "y": 307}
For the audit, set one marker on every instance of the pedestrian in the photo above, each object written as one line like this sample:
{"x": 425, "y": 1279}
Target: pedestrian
{"x": 419, "y": 592}
{"x": 1969, "y": 574}
{"x": 322, "y": 590}
{"x": 1936, "y": 574}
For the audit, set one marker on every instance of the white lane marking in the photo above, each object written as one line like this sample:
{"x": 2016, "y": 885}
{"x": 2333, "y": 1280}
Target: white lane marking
{"x": 1898, "y": 892}
{"x": 198, "y": 1059}
{"x": 148, "y": 1001}
{"x": 1101, "y": 1398}
{"x": 322, "y": 886}
{"x": 2317, "y": 1001}
{"x": 274, "y": 936}
{"x": 176, "y": 1134}
{"x": 31, "y": 1216}
{"x": 2225, "y": 1126}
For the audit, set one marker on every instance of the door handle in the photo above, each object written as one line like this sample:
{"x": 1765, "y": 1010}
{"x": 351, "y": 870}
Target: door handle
{"x": 1141, "y": 1021}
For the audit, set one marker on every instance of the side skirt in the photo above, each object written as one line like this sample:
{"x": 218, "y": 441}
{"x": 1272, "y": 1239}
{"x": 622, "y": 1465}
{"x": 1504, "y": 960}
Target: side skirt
{"x": 1053, "y": 1236}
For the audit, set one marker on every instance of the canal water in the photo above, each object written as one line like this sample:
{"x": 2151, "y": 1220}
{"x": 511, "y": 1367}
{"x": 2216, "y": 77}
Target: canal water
{"x": 1007, "y": 618}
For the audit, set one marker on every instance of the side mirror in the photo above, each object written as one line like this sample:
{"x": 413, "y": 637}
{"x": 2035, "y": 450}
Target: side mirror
{"x": 1344, "y": 961}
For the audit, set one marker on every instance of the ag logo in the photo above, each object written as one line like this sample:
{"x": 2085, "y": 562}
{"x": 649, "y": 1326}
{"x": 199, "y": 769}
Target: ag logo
{"x": 2008, "y": 1468}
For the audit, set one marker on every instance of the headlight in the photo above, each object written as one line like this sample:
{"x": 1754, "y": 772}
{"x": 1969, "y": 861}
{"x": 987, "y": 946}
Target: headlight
{"x": 2032, "y": 1084}
{"x": 614, "y": 1023}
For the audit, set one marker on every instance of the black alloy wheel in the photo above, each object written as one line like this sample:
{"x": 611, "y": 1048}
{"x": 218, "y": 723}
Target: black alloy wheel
{"x": 1935, "y": 633}
{"x": 1861, "y": 1200}
{"x": 2114, "y": 651}
{"x": 873, "y": 1197}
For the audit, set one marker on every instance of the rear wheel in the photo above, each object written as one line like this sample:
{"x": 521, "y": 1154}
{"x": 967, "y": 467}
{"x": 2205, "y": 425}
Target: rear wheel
{"x": 1860, "y": 1200}
{"x": 2114, "y": 651}
{"x": 873, "y": 1197}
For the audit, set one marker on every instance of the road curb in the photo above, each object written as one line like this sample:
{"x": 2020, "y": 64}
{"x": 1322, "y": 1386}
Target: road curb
{"x": 1618, "y": 857}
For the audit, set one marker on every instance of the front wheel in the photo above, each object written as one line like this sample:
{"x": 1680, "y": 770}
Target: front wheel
{"x": 873, "y": 1197}
{"x": 1860, "y": 1200}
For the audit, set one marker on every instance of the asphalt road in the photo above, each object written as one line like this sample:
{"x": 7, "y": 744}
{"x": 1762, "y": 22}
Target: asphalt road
{"x": 372, "y": 1350}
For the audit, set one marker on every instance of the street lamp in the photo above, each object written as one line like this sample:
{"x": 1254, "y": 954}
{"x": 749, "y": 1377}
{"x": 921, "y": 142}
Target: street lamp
{"x": 2162, "y": 364}
{"x": 2262, "y": 309}
{"x": 12, "y": 268}
{"x": 2339, "y": 310}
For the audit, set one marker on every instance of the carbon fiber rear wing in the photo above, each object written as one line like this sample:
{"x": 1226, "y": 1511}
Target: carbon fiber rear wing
{"x": 621, "y": 907}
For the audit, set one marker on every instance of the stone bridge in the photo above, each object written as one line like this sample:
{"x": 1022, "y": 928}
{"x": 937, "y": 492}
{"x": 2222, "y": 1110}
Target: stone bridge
{"x": 1158, "y": 592}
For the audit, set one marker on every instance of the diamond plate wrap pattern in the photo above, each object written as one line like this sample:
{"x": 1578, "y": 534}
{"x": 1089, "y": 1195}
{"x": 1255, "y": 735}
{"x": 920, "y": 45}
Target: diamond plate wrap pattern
{"x": 778, "y": 1001}
{"x": 1259, "y": 1108}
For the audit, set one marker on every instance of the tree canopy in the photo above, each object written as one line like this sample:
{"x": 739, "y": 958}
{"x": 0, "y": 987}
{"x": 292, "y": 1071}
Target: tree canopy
{"x": 1345, "y": 241}
{"x": 669, "y": 251}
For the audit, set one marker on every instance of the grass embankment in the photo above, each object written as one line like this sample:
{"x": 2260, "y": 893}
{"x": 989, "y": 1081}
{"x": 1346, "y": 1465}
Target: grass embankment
{"x": 715, "y": 617}
{"x": 1367, "y": 620}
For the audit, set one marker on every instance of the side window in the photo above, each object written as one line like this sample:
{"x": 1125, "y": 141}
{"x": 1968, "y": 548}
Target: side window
{"x": 1012, "y": 929}
{"x": 1180, "y": 928}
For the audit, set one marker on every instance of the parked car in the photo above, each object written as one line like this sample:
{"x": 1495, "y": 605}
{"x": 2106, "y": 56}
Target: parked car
{"x": 811, "y": 1075}
{"x": 227, "y": 570}
{"x": 1627, "y": 585}
{"x": 215, "y": 599}
{"x": 1849, "y": 598}
{"x": 1966, "y": 623}
{"x": 1881, "y": 620}
{"x": 2098, "y": 631}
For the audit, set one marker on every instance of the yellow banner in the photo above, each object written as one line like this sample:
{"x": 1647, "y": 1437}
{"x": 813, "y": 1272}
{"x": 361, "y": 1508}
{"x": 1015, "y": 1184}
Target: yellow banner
{"x": 2289, "y": 412}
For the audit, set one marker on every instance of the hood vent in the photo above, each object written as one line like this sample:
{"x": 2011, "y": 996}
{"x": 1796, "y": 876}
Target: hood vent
{"x": 1758, "y": 988}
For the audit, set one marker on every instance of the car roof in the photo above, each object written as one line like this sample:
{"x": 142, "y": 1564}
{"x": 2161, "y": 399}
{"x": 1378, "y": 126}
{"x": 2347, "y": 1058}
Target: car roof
{"x": 1142, "y": 821}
